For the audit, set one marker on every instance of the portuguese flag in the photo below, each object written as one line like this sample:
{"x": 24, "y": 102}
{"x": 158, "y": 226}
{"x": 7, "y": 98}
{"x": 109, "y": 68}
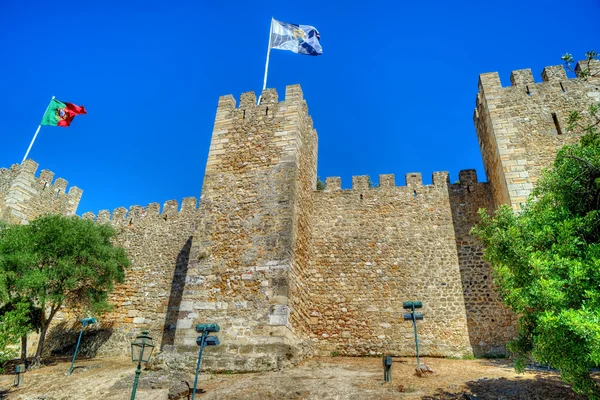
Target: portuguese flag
{"x": 61, "y": 113}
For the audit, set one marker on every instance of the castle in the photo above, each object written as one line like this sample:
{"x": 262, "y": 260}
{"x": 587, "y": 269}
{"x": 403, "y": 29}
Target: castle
{"x": 287, "y": 270}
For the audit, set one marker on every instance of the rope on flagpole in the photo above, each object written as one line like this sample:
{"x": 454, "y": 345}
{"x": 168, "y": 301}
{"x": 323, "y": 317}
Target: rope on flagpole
{"x": 37, "y": 131}
{"x": 267, "y": 63}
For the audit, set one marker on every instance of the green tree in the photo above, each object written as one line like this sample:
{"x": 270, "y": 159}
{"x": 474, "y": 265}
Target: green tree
{"x": 546, "y": 262}
{"x": 56, "y": 261}
{"x": 14, "y": 325}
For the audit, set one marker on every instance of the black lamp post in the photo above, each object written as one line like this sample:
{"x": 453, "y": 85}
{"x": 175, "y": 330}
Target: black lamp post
{"x": 141, "y": 351}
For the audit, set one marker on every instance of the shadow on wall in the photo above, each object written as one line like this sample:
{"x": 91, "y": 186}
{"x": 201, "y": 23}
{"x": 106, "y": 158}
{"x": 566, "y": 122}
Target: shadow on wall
{"x": 488, "y": 320}
{"x": 62, "y": 339}
{"x": 176, "y": 294}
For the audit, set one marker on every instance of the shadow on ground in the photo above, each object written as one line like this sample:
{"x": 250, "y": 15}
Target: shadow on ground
{"x": 544, "y": 387}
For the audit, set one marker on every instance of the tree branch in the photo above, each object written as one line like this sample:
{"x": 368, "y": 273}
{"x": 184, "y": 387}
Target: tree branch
{"x": 584, "y": 161}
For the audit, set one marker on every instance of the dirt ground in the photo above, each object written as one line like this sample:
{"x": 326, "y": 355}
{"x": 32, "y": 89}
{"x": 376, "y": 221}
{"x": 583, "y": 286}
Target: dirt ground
{"x": 336, "y": 378}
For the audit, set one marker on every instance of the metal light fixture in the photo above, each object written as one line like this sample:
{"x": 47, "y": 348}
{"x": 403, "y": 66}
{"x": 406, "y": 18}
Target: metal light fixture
{"x": 141, "y": 351}
{"x": 84, "y": 322}
{"x": 203, "y": 341}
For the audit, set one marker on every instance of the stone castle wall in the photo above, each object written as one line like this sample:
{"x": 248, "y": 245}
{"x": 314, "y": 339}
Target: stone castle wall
{"x": 157, "y": 241}
{"x": 521, "y": 127}
{"x": 491, "y": 325}
{"x": 286, "y": 270}
{"x": 376, "y": 247}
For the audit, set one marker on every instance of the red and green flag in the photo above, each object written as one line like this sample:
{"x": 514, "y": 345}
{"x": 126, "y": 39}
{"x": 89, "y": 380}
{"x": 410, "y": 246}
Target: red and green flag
{"x": 61, "y": 113}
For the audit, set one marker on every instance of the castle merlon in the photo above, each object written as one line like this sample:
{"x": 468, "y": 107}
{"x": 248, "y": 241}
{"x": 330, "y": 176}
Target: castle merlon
{"x": 413, "y": 180}
{"x": 136, "y": 213}
{"x": 467, "y": 177}
{"x": 554, "y": 73}
{"x": 522, "y": 77}
{"x": 594, "y": 69}
{"x": 29, "y": 166}
{"x": 269, "y": 96}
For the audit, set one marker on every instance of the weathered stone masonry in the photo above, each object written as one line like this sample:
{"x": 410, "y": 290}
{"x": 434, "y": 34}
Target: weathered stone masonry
{"x": 286, "y": 270}
{"x": 23, "y": 196}
{"x": 521, "y": 127}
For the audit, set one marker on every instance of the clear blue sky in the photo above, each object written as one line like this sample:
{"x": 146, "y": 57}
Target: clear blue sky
{"x": 394, "y": 91}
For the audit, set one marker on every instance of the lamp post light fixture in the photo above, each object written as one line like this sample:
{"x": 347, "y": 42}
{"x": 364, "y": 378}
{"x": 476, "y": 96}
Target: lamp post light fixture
{"x": 203, "y": 341}
{"x": 84, "y": 322}
{"x": 141, "y": 351}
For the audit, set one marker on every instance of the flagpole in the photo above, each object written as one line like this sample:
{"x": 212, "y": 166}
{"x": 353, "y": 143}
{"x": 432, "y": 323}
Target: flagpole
{"x": 37, "y": 131}
{"x": 267, "y": 63}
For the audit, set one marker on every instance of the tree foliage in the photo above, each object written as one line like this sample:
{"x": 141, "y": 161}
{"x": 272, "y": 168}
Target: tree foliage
{"x": 546, "y": 258}
{"x": 56, "y": 261}
{"x": 15, "y": 323}
{"x": 546, "y": 262}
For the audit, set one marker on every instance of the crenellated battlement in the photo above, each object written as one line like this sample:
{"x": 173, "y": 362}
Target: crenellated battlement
{"x": 248, "y": 100}
{"x": 263, "y": 134}
{"x": 413, "y": 181}
{"x": 24, "y": 196}
{"x": 552, "y": 78}
{"x": 152, "y": 212}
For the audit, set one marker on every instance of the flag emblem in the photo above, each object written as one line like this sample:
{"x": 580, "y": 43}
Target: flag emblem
{"x": 299, "y": 34}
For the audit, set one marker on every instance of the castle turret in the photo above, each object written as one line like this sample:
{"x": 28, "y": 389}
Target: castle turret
{"x": 521, "y": 127}
{"x": 251, "y": 244}
{"x": 23, "y": 196}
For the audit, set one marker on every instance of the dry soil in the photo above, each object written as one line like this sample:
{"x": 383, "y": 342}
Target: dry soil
{"x": 330, "y": 378}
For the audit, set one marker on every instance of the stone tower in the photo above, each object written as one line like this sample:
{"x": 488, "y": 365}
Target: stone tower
{"x": 250, "y": 249}
{"x": 23, "y": 196}
{"x": 521, "y": 127}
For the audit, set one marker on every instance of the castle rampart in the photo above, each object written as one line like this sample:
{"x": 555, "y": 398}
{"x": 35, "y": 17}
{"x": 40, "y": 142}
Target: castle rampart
{"x": 377, "y": 245}
{"x": 286, "y": 269}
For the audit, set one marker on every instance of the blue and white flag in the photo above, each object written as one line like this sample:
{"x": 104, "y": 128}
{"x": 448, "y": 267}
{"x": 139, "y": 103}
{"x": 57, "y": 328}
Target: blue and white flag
{"x": 301, "y": 39}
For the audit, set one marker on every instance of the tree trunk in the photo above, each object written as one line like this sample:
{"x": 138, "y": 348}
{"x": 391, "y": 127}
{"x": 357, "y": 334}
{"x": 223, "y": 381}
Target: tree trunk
{"x": 40, "y": 347}
{"x": 43, "y": 331}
